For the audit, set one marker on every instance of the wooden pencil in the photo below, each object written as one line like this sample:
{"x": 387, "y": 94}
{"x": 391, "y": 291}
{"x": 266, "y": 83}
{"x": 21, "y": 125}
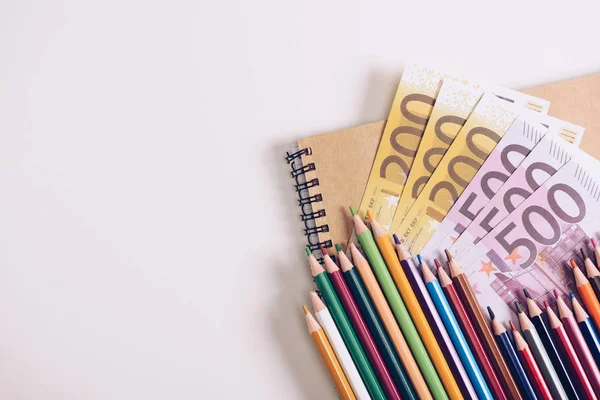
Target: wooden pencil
{"x": 399, "y": 308}
{"x": 578, "y": 342}
{"x": 592, "y": 273}
{"x": 530, "y": 365}
{"x": 391, "y": 326}
{"x": 329, "y": 358}
{"x": 435, "y": 322}
{"x": 536, "y": 346}
{"x": 339, "y": 347}
{"x": 460, "y": 343}
{"x": 587, "y": 294}
{"x": 587, "y": 328}
{"x": 436, "y": 355}
{"x": 346, "y": 330}
{"x": 382, "y": 340}
{"x": 463, "y": 287}
{"x": 542, "y": 329}
{"x": 470, "y": 334}
{"x": 511, "y": 357}
{"x": 360, "y": 327}
{"x": 568, "y": 351}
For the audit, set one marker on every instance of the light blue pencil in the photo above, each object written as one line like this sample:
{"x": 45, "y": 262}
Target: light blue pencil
{"x": 456, "y": 335}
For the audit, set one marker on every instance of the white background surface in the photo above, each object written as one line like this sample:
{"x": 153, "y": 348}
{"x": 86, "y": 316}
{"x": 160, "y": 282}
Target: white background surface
{"x": 149, "y": 241}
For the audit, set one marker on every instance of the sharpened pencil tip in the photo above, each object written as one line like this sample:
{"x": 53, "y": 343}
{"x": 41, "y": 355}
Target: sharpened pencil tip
{"x": 527, "y": 293}
{"x": 419, "y": 259}
{"x": 518, "y": 307}
{"x": 437, "y": 263}
{"x": 305, "y": 309}
{"x": 352, "y": 211}
{"x": 556, "y": 294}
{"x": 370, "y": 215}
{"x": 397, "y": 239}
{"x": 512, "y": 325}
{"x": 572, "y": 296}
{"x": 573, "y": 264}
{"x": 448, "y": 255}
{"x": 583, "y": 256}
{"x": 323, "y": 250}
{"x": 308, "y": 252}
{"x": 546, "y": 305}
{"x": 338, "y": 248}
{"x": 492, "y": 315}
{"x": 594, "y": 243}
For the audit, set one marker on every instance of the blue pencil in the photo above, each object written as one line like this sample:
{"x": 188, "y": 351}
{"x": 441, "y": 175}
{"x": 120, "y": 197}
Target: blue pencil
{"x": 587, "y": 329}
{"x": 511, "y": 358}
{"x": 455, "y": 333}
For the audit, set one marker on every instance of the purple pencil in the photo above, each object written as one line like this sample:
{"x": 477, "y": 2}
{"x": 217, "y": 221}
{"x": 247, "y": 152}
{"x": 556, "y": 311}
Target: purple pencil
{"x": 435, "y": 321}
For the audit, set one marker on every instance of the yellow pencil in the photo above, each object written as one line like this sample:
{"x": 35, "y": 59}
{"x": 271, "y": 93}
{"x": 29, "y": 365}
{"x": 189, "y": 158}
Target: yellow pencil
{"x": 414, "y": 308}
{"x": 331, "y": 362}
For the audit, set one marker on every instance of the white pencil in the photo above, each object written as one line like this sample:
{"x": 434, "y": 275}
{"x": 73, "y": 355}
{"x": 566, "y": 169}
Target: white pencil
{"x": 326, "y": 322}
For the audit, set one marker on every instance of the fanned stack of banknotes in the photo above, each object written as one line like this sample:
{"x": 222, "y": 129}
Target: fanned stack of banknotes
{"x": 486, "y": 173}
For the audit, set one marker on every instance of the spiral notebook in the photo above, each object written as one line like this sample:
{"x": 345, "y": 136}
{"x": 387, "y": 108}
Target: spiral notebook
{"x": 331, "y": 170}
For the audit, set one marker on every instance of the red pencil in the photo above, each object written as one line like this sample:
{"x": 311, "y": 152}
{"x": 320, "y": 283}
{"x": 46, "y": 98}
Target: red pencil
{"x": 568, "y": 351}
{"x": 365, "y": 337}
{"x": 578, "y": 341}
{"x": 530, "y": 365}
{"x": 469, "y": 330}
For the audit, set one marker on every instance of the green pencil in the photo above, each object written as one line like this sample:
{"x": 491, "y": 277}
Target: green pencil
{"x": 347, "y": 332}
{"x": 365, "y": 237}
{"x": 391, "y": 359}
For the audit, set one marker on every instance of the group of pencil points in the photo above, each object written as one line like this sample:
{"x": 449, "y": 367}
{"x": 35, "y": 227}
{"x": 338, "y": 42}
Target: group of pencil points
{"x": 387, "y": 328}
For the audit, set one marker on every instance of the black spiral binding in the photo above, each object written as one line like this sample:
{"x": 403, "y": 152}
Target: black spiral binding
{"x": 308, "y": 215}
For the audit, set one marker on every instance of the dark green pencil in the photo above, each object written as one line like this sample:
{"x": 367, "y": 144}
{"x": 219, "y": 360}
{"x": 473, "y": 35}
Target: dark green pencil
{"x": 367, "y": 309}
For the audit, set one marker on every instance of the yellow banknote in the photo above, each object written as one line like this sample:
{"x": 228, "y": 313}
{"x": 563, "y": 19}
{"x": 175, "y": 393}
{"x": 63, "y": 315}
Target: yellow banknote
{"x": 406, "y": 122}
{"x": 453, "y": 105}
{"x": 476, "y": 139}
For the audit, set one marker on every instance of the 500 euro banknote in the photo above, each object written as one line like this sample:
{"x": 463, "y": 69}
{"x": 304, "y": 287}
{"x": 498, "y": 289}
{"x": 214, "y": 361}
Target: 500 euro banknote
{"x": 522, "y": 136}
{"x": 549, "y": 155}
{"x": 484, "y": 128}
{"x": 531, "y": 247}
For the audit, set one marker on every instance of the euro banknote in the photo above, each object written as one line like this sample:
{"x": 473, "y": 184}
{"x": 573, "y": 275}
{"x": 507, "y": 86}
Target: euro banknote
{"x": 411, "y": 108}
{"x": 531, "y": 247}
{"x": 454, "y": 104}
{"x": 551, "y": 153}
{"x": 522, "y": 136}
{"x": 478, "y": 137}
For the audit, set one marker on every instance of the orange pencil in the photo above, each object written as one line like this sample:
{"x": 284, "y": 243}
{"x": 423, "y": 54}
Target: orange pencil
{"x": 587, "y": 294}
{"x": 414, "y": 308}
{"x": 331, "y": 362}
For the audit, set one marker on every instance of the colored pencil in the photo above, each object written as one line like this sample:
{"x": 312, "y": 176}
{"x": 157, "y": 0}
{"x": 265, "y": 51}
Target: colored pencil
{"x": 329, "y": 358}
{"x": 346, "y": 330}
{"x": 568, "y": 351}
{"x": 382, "y": 340}
{"x": 530, "y": 365}
{"x": 435, "y": 322}
{"x": 578, "y": 342}
{"x": 460, "y": 343}
{"x": 339, "y": 347}
{"x": 436, "y": 355}
{"x": 360, "y": 327}
{"x": 587, "y": 294}
{"x": 399, "y": 308}
{"x": 463, "y": 287}
{"x": 391, "y": 326}
{"x": 470, "y": 334}
{"x": 587, "y": 329}
{"x": 592, "y": 273}
{"x": 596, "y": 250}
{"x": 511, "y": 357}
{"x": 541, "y": 356}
